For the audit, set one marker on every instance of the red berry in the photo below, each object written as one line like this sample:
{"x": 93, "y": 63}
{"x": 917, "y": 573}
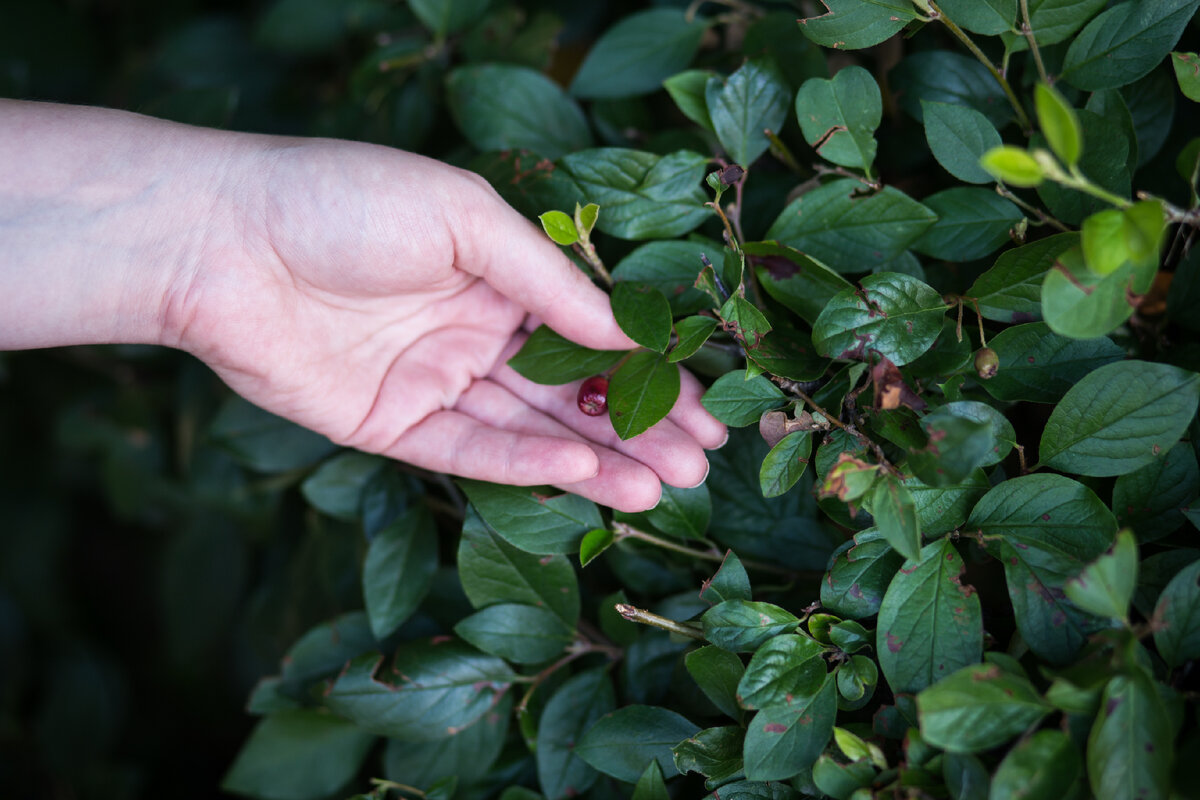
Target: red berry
{"x": 593, "y": 396}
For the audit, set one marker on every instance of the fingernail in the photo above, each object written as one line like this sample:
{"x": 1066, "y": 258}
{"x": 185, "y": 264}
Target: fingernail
{"x": 724, "y": 441}
{"x": 707, "y": 469}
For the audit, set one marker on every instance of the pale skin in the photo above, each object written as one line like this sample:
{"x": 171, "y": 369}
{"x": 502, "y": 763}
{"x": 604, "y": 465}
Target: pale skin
{"x": 368, "y": 294}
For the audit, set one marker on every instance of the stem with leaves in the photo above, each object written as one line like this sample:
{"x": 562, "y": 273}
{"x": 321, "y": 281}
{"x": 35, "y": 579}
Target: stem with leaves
{"x": 622, "y": 530}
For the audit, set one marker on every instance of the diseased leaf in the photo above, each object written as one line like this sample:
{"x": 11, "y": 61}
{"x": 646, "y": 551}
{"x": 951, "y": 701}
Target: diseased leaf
{"x": 1178, "y": 617}
{"x": 977, "y": 708}
{"x": 1130, "y": 747}
{"x": 1105, "y": 587}
{"x": 799, "y": 282}
{"x": 1187, "y": 74}
{"x": 891, "y": 314}
{"x": 839, "y": 116}
{"x": 786, "y": 739}
{"x": 853, "y": 24}
{"x": 859, "y": 575}
{"x": 786, "y": 668}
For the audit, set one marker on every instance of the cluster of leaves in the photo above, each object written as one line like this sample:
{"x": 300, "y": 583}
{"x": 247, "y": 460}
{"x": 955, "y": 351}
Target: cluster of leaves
{"x": 901, "y": 242}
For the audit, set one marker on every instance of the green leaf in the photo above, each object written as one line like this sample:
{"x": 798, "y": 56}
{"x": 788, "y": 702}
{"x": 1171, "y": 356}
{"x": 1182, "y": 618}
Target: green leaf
{"x": 506, "y": 107}
{"x": 548, "y": 358}
{"x": 972, "y": 223}
{"x": 1038, "y": 365}
{"x": 742, "y": 106}
{"x": 738, "y": 402}
{"x": 944, "y": 76}
{"x": 1083, "y": 305}
{"x": 1044, "y": 528}
{"x": 841, "y": 781}
{"x": 532, "y": 521}
{"x": 641, "y": 393}
{"x": 643, "y": 314}
{"x": 977, "y": 708}
{"x": 594, "y": 543}
{"x": 336, "y": 486}
{"x": 399, "y": 570}
{"x": 682, "y": 512}
{"x": 1110, "y": 104}
{"x": 687, "y": 89}
{"x": 448, "y": 16}
{"x": 671, "y": 267}
{"x": 786, "y": 668}
{"x": 896, "y": 517}
{"x": 571, "y": 711}
{"x": 559, "y": 227}
{"x": 741, "y": 626}
{"x": 1012, "y": 165}
{"x": 1043, "y": 767}
{"x": 1150, "y": 500}
{"x": 786, "y": 462}
{"x": 439, "y": 690}
{"x": 859, "y": 575}
{"x": 637, "y": 54}
{"x": 941, "y": 509}
{"x": 1187, "y": 74}
{"x": 1059, "y": 124}
{"x": 692, "y": 333}
{"x": 1120, "y": 417}
{"x": 839, "y": 116}
{"x": 622, "y": 743}
{"x": 799, "y": 282}
{"x": 717, "y": 672}
{"x": 982, "y": 16}
{"x": 856, "y": 682}
{"x": 1104, "y": 161}
{"x": 892, "y": 314}
{"x": 644, "y": 195}
{"x": 850, "y": 636}
{"x": 586, "y": 217}
{"x": 715, "y": 753}
{"x": 958, "y": 137}
{"x": 744, "y": 321}
{"x": 1177, "y": 617}
{"x": 930, "y": 623}
{"x": 729, "y": 583}
{"x": 1130, "y": 747}
{"x": 848, "y": 231}
{"x": 493, "y": 571}
{"x": 298, "y": 755}
{"x": 518, "y": 633}
{"x": 1054, "y": 21}
{"x": 786, "y": 739}
{"x": 651, "y": 785}
{"x": 1011, "y": 291}
{"x": 1105, "y": 587}
{"x": 264, "y": 442}
{"x": 853, "y": 24}
{"x": 467, "y": 756}
{"x": 1125, "y": 42}
{"x": 1115, "y": 236}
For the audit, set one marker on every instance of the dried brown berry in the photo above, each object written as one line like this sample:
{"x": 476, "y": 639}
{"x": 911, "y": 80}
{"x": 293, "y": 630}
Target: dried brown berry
{"x": 593, "y": 396}
{"x": 987, "y": 363}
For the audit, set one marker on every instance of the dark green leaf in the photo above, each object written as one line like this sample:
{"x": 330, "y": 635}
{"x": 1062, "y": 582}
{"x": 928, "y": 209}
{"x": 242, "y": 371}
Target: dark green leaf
{"x": 572, "y": 710}
{"x": 637, "y": 54}
{"x": 651, "y": 785}
{"x": 841, "y": 781}
{"x": 325, "y": 649}
{"x": 1120, "y": 417}
{"x": 850, "y": 636}
{"x": 943, "y": 76}
{"x": 533, "y": 521}
{"x": 336, "y": 486}
{"x": 1003, "y": 435}
{"x": 671, "y": 267}
{"x": 1125, "y": 42}
{"x": 982, "y": 16}
{"x": 848, "y": 231}
{"x": 839, "y": 116}
{"x": 941, "y": 509}
{"x": 977, "y": 708}
{"x": 467, "y": 756}
{"x": 958, "y": 135}
{"x": 644, "y": 196}
{"x": 853, "y": 24}
{"x": 971, "y": 224}
{"x": 518, "y": 633}
{"x": 1043, "y": 767}
{"x": 493, "y": 571}
{"x": 264, "y": 442}
{"x": 448, "y": 16}
{"x": 1011, "y": 291}
{"x": 717, "y": 672}
{"x": 1044, "y": 528}
{"x": 682, "y": 512}
{"x": 860, "y": 573}
{"x": 641, "y": 393}
{"x": 692, "y": 333}
{"x": 892, "y": 314}
{"x": 741, "y": 626}
{"x": 399, "y": 570}
{"x": 1111, "y": 105}
{"x": 786, "y": 668}
{"x": 548, "y": 358}
{"x": 298, "y": 755}
{"x": 786, "y": 739}
{"x": 1053, "y": 21}
{"x": 742, "y": 106}
{"x": 506, "y": 107}
{"x": 786, "y": 462}
{"x": 622, "y": 743}
{"x": 440, "y": 689}
{"x": 799, "y": 282}
{"x": 930, "y": 622}
{"x": 729, "y": 583}
{"x": 738, "y": 402}
{"x": 687, "y": 90}
{"x": 1105, "y": 587}
{"x": 1130, "y": 747}
{"x": 1038, "y": 365}
{"x": 896, "y": 517}
{"x": 1178, "y": 616}
{"x": 715, "y": 753}
{"x": 643, "y": 314}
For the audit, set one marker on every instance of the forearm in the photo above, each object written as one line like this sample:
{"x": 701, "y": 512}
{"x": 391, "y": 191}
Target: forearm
{"x": 104, "y": 216}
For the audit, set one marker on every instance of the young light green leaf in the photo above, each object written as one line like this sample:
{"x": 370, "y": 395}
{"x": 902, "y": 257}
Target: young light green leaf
{"x": 549, "y": 358}
{"x": 571, "y": 711}
{"x": 1187, "y": 74}
{"x": 585, "y": 218}
{"x": 398, "y": 570}
{"x": 838, "y": 117}
{"x": 853, "y": 25}
{"x": 637, "y": 54}
{"x": 1058, "y": 123}
{"x": 1081, "y": 304}
{"x": 1125, "y": 42}
{"x": 641, "y": 393}
{"x": 1177, "y": 617}
{"x": 892, "y": 314}
{"x": 958, "y": 137}
{"x": 643, "y": 314}
{"x": 518, "y": 633}
{"x": 752, "y": 100}
{"x": 1012, "y": 165}
{"x": 594, "y": 543}
{"x": 622, "y": 743}
{"x": 1115, "y": 236}
{"x": 739, "y": 402}
{"x": 930, "y": 621}
{"x": 1105, "y": 587}
{"x": 1120, "y": 417}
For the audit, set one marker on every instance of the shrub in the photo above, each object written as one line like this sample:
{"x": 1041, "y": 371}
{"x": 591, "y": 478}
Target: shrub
{"x": 938, "y": 253}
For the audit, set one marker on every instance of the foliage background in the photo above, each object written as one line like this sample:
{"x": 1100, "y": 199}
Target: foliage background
{"x": 158, "y": 555}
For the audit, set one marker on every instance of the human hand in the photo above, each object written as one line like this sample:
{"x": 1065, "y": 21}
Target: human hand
{"x": 374, "y": 296}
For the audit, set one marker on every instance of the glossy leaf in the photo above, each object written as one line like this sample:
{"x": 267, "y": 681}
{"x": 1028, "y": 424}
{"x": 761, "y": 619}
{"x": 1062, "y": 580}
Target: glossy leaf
{"x": 729, "y": 583}
{"x": 958, "y": 136}
{"x": 788, "y": 667}
{"x": 622, "y": 743}
{"x": 572, "y": 709}
{"x": 982, "y": 16}
{"x": 1129, "y": 749}
{"x": 741, "y": 626}
{"x": 641, "y": 392}
{"x": 1038, "y": 365}
{"x": 853, "y": 25}
{"x": 637, "y": 54}
{"x": 687, "y": 90}
{"x": 1053, "y": 21}
{"x": 786, "y": 462}
{"x": 549, "y": 358}
{"x": 739, "y": 402}
{"x": 1125, "y": 42}
{"x": 751, "y": 100}
{"x": 941, "y": 509}
{"x": 972, "y": 223}
{"x": 692, "y": 333}
{"x": 892, "y": 314}
{"x": 977, "y": 708}
{"x": 643, "y": 314}
{"x": 518, "y": 633}
{"x": 1178, "y": 617}
{"x": 532, "y": 521}
{"x": 838, "y": 117}
{"x": 715, "y": 753}
{"x": 1011, "y": 290}
{"x": 859, "y": 575}
{"x": 399, "y": 570}
{"x": 559, "y": 227}
{"x": 1012, "y": 165}
{"x": 896, "y": 517}
{"x": 799, "y": 282}
{"x": 785, "y": 739}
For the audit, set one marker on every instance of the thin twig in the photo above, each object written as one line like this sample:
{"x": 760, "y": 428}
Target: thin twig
{"x": 1027, "y": 31}
{"x": 622, "y": 530}
{"x": 655, "y": 621}
{"x": 1043, "y": 217}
